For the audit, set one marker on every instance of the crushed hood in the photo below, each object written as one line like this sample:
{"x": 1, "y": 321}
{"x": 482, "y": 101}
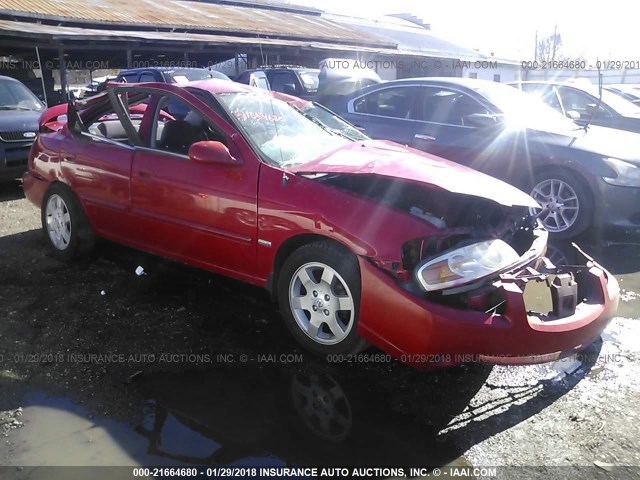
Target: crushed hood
{"x": 388, "y": 159}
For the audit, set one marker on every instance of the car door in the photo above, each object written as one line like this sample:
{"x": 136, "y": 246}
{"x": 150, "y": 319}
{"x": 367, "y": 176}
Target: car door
{"x": 448, "y": 126}
{"x": 196, "y": 212}
{"x": 387, "y": 113}
{"x": 97, "y": 165}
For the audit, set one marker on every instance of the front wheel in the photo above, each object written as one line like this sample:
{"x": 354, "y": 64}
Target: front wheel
{"x": 65, "y": 226}
{"x": 319, "y": 298}
{"x": 566, "y": 204}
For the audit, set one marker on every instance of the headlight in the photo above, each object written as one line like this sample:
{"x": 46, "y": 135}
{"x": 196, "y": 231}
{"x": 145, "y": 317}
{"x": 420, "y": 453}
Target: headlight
{"x": 466, "y": 264}
{"x": 628, "y": 174}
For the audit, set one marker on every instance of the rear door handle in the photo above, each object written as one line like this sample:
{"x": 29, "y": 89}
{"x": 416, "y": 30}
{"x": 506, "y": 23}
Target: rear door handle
{"x": 420, "y": 136}
{"x": 145, "y": 174}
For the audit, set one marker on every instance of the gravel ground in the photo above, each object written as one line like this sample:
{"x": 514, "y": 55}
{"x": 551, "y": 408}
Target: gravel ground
{"x": 162, "y": 345}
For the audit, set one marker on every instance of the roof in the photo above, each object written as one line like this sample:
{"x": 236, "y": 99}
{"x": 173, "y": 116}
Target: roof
{"x": 408, "y": 36}
{"x": 187, "y": 15}
{"x": 34, "y": 32}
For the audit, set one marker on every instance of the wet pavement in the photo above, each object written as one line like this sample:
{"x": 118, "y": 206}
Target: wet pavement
{"x": 182, "y": 367}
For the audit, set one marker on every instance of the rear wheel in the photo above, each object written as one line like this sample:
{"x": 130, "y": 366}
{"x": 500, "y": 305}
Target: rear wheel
{"x": 319, "y": 298}
{"x": 66, "y": 228}
{"x": 567, "y": 205}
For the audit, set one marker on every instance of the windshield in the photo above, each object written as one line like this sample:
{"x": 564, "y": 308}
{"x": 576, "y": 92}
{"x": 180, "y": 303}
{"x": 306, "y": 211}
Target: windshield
{"x": 15, "y": 96}
{"x": 524, "y": 110}
{"x": 282, "y": 134}
{"x": 191, "y": 75}
{"x": 332, "y": 121}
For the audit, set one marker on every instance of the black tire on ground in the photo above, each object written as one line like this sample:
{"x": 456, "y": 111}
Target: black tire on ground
{"x": 584, "y": 201}
{"x": 345, "y": 264}
{"x": 81, "y": 237}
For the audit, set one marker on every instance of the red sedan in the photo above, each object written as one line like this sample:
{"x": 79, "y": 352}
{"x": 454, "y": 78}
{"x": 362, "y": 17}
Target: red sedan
{"x": 359, "y": 241}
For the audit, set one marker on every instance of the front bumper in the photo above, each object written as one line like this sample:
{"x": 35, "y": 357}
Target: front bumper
{"x": 13, "y": 159}
{"x": 620, "y": 207}
{"x": 424, "y": 334}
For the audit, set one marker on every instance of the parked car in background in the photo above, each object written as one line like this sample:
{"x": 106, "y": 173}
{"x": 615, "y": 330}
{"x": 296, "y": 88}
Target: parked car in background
{"x": 168, "y": 75}
{"x": 20, "y": 111}
{"x": 582, "y": 103}
{"x": 341, "y": 77}
{"x": 348, "y": 236}
{"x": 628, "y": 92}
{"x": 582, "y": 178}
{"x": 289, "y": 79}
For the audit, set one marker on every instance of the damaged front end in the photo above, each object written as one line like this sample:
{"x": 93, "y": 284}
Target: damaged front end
{"x": 460, "y": 289}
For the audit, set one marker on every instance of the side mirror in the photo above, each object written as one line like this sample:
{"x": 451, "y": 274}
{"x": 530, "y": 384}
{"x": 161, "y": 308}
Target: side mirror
{"x": 213, "y": 153}
{"x": 289, "y": 89}
{"x": 573, "y": 115}
{"x": 481, "y": 120}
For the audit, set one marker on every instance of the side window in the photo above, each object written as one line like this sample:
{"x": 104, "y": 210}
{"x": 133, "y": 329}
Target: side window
{"x": 546, "y": 93}
{"x": 396, "y": 102}
{"x": 147, "y": 77}
{"x": 449, "y": 107}
{"x": 107, "y": 124}
{"x": 243, "y": 78}
{"x": 574, "y": 100}
{"x": 129, "y": 78}
{"x": 284, "y": 82}
{"x": 177, "y": 125}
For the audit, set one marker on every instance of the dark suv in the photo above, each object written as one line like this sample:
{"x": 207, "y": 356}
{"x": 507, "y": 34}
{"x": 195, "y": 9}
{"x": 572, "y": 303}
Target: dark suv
{"x": 290, "y": 79}
{"x": 20, "y": 112}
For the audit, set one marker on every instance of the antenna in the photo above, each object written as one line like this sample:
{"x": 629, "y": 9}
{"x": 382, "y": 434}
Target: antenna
{"x": 593, "y": 113}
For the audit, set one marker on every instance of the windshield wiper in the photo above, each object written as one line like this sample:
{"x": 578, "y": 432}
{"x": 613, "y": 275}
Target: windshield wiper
{"x": 326, "y": 128}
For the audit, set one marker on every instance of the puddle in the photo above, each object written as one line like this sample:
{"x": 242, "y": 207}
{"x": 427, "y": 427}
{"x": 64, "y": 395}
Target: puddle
{"x": 252, "y": 416}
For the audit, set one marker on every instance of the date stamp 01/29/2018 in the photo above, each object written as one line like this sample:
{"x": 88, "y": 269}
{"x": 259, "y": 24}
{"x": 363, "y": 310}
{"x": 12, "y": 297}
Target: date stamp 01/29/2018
{"x": 607, "y": 64}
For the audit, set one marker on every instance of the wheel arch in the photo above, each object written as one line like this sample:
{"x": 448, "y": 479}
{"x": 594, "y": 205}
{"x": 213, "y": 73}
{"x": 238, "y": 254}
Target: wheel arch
{"x": 573, "y": 172}
{"x": 289, "y": 246}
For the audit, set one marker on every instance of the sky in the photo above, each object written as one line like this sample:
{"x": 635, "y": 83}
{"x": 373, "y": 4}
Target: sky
{"x": 592, "y": 30}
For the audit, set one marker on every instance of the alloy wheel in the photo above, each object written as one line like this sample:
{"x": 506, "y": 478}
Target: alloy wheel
{"x": 321, "y": 303}
{"x": 58, "y": 222}
{"x": 560, "y": 204}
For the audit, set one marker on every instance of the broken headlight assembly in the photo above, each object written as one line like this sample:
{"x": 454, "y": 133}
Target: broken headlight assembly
{"x": 465, "y": 265}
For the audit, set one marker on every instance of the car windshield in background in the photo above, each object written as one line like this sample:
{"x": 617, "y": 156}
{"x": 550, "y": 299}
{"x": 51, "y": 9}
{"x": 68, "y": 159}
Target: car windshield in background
{"x": 282, "y": 134}
{"x": 616, "y": 102}
{"x": 522, "y": 109}
{"x": 15, "y": 96}
{"x": 191, "y": 75}
{"x": 310, "y": 80}
{"x": 333, "y": 122}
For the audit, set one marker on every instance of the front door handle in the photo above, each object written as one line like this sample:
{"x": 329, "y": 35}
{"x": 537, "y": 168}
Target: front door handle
{"x": 145, "y": 174}
{"x": 421, "y": 136}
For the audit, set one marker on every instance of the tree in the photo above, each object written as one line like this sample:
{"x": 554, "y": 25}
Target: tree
{"x": 548, "y": 48}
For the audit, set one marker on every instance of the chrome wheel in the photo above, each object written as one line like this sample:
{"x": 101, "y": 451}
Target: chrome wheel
{"x": 322, "y": 406}
{"x": 560, "y": 204}
{"x": 321, "y": 303}
{"x": 58, "y": 222}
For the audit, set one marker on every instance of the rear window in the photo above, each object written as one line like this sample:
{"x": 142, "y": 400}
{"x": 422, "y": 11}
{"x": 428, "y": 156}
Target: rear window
{"x": 309, "y": 79}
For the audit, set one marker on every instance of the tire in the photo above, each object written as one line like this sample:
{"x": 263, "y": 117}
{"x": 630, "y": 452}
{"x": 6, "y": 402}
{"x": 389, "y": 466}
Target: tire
{"x": 64, "y": 224}
{"x": 567, "y": 203}
{"x": 322, "y": 317}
